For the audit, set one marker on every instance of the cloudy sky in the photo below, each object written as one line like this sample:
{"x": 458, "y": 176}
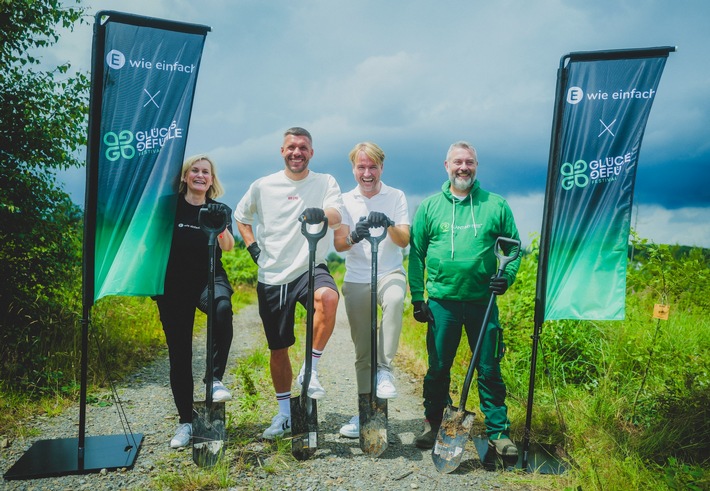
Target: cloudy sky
{"x": 415, "y": 76}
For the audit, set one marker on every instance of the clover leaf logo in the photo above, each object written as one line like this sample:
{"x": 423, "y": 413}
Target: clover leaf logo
{"x": 573, "y": 175}
{"x": 119, "y": 145}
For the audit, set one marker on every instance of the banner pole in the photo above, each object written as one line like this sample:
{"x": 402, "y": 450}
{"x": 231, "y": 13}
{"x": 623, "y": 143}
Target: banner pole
{"x": 541, "y": 282}
{"x": 97, "y": 46}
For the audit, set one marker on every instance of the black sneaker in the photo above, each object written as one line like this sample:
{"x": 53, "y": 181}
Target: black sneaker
{"x": 427, "y": 439}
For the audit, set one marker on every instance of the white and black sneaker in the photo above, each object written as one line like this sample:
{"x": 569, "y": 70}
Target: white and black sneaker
{"x": 280, "y": 425}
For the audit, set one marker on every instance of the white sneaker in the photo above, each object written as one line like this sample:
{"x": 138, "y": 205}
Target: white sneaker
{"x": 385, "y": 385}
{"x": 315, "y": 389}
{"x": 182, "y": 436}
{"x": 220, "y": 392}
{"x": 352, "y": 429}
{"x": 280, "y": 425}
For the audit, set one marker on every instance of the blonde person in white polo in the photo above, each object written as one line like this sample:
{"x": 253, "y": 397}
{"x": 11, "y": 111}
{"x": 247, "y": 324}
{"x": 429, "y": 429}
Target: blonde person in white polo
{"x": 373, "y": 199}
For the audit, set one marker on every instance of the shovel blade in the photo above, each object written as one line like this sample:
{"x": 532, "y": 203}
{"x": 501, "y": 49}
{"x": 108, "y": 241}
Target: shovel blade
{"x": 451, "y": 440}
{"x": 304, "y": 427}
{"x": 208, "y": 433}
{"x": 373, "y": 424}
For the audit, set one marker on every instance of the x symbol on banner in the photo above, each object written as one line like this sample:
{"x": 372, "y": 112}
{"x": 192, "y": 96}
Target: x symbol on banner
{"x": 606, "y": 128}
{"x": 153, "y": 100}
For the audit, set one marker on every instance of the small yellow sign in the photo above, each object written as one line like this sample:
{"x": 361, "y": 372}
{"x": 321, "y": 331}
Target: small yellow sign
{"x": 661, "y": 311}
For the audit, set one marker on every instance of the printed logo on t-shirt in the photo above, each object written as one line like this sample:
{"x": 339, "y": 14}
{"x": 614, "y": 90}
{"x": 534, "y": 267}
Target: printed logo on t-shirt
{"x": 181, "y": 225}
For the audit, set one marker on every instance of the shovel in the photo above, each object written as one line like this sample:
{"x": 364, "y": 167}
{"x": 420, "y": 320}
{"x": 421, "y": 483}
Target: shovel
{"x": 372, "y": 409}
{"x": 457, "y": 422}
{"x": 304, "y": 414}
{"x": 208, "y": 435}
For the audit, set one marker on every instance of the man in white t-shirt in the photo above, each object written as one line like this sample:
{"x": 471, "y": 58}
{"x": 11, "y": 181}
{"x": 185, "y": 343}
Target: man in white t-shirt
{"x": 268, "y": 220}
{"x": 379, "y": 203}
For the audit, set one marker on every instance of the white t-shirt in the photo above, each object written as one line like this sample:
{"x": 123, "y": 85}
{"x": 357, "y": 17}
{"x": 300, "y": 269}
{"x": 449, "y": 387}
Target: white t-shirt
{"x": 272, "y": 206}
{"x": 358, "y": 260}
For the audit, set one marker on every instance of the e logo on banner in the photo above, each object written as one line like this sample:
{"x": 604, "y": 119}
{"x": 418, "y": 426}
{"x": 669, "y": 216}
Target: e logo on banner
{"x": 115, "y": 59}
{"x": 575, "y": 95}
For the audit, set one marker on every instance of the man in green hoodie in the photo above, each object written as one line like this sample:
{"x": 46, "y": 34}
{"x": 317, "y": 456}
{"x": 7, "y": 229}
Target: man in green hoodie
{"x": 452, "y": 238}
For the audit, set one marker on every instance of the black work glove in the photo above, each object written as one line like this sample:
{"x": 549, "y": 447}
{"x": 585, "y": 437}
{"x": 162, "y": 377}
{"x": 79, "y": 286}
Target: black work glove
{"x": 218, "y": 209}
{"x": 379, "y": 219}
{"x": 362, "y": 230}
{"x": 254, "y": 251}
{"x": 313, "y": 215}
{"x": 217, "y": 215}
{"x": 422, "y": 312}
{"x": 498, "y": 285}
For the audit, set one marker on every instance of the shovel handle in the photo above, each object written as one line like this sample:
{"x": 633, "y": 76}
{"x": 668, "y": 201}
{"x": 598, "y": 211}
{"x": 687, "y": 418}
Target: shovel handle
{"x": 312, "y": 239}
{"x": 503, "y": 261}
{"x": 374, "y": 240}
{"x": 211, "y": 230}
{"x": 374, "y": 246}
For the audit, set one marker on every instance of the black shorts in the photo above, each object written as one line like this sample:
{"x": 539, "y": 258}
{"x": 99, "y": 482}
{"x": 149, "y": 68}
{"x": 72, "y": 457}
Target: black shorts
{"x": 277, "y": 305}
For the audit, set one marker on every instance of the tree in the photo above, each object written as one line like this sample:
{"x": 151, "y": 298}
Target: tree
{"x": 43, "y": 121}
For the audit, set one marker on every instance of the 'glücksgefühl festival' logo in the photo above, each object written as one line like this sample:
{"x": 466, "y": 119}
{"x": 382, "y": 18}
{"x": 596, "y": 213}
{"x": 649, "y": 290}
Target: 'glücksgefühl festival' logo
{"x": 606, "y": 169}
{"x": 121, "y": 144}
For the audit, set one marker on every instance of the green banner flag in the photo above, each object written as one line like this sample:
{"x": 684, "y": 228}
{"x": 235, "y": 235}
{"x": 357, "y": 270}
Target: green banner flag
{"x": 148, "y": 71}
{"x": 605, "y": 101}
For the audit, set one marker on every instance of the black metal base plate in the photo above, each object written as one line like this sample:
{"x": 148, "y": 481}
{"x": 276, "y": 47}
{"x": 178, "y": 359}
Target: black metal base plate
{"x": 540, "y": 458}
{"x": 60, "y": 457}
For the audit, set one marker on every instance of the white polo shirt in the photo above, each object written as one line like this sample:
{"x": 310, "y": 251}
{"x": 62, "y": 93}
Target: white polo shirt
{"x": 358, "y": 260}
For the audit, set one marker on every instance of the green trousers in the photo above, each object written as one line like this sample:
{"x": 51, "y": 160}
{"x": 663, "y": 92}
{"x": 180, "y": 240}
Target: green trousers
{"x": 443, "y": 338}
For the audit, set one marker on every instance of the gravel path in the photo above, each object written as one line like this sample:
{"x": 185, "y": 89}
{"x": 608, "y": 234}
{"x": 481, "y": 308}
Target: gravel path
{"x": 338, "y": 464}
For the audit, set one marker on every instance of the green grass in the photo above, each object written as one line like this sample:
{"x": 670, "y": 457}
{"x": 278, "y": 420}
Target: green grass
{"x": 633, "y": 396}
{"x": 125, "y": 330}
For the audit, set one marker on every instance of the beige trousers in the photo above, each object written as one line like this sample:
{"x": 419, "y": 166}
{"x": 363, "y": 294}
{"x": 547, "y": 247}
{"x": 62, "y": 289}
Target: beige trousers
{"x": 390, "y": 297}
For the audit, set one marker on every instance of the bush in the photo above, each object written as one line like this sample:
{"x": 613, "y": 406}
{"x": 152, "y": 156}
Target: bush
{"x": 239, "y": 266}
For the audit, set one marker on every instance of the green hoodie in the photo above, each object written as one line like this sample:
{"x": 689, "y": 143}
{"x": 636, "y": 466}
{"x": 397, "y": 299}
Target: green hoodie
{"x": 453, "y": 240}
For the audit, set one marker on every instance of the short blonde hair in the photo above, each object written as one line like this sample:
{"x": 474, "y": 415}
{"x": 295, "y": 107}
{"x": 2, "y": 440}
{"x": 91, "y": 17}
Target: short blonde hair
{"x": 372, "y": 150}
{"x": 216, "y": 190}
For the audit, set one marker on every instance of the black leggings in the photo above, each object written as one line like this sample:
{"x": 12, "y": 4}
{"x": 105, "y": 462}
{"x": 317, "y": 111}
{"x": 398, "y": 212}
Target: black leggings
{"x": 178, "y": 317}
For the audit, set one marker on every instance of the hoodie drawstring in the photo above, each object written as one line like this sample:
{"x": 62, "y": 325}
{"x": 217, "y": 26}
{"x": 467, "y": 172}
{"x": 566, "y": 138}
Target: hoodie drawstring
{"x": 453, "y": 222}
{"x": 473, "y": 216}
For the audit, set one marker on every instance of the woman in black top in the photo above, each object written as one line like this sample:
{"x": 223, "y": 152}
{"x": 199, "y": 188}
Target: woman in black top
{"x": 186, "y": 289}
